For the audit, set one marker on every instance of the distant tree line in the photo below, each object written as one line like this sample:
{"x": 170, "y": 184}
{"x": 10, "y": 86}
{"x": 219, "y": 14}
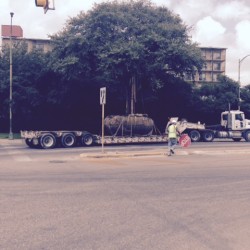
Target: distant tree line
{"x": 139, "y": 51}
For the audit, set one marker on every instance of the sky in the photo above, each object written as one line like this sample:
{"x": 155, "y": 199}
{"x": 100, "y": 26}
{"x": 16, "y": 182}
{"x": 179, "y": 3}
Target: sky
{"x": 223, "y": 24}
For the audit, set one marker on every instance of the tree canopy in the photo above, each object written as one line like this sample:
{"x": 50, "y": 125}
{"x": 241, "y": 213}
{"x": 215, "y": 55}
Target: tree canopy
{"x": 138, "y": 50}
{"x": 126, "y": 45}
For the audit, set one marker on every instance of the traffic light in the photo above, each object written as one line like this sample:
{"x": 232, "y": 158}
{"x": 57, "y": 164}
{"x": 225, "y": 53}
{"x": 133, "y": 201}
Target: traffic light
{"x": 42, "y": 3}
{"x": 46, "y": 4}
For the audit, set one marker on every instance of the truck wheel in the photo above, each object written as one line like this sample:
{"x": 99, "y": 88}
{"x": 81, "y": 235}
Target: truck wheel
{"x": 32, "y": 143}
{"x": 48, "y": 141}
{"x": 194, "y": 135}
{"x": 236, "y": 139}
{"x": 68, "y": 140}
{"x": 208, "y": 136}
{"x": 29, "y": 142}
{"x": 87, "y": 140}
{"x": 247, "y": 136}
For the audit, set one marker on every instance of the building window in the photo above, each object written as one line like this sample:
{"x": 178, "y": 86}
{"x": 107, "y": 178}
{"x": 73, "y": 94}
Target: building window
{"x": 217, "y": 55}
{"x": 202, "y": 77}
{"x": 204, "y": 66}
{"x": 39, "y": 46}
{"x": 215, "y": 77}
{"x": 217, "y": 66}
{"x": 203, "y": 53}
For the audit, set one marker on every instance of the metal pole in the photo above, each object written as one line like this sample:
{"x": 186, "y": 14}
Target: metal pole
{"x": 103, "y": 128}
{"x": 11, "y": 80}
{"x": 239, "y": 85}
{"x": 240, "y": 61}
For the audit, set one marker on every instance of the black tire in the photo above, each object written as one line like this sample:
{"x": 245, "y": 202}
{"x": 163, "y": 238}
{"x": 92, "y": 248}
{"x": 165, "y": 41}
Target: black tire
{"x": 208, "y": 136}
{"x": 236, "y": 139}
{"x": 32, "y": 143}
{"x": 29, "y": 142}
{"x": 247, "y": 136}
{"x": 87, "y": 140}
{"x": 68, "y": 140}
{"x": 194, "y": 135}
{"x": 48, "y": 141}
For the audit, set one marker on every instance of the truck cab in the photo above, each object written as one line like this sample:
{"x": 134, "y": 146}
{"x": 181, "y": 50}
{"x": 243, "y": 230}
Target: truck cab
{"x": 234, "y": 120}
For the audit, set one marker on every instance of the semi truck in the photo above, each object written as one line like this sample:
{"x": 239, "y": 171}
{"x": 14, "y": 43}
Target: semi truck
{"x": 233, "y": 125}
{"x": 139, "y": 128}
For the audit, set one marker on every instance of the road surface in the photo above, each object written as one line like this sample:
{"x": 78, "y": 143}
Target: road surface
{"x": 55, "y": 199}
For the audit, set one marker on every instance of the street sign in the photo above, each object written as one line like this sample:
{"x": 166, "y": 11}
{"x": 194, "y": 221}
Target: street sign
{"x": 103, "y": 95}
{"x": 103, "y": 102}
{"x": 185, "y": 141}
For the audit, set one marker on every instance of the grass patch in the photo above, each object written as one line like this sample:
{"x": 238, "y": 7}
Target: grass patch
{"x": 6, "y": 135}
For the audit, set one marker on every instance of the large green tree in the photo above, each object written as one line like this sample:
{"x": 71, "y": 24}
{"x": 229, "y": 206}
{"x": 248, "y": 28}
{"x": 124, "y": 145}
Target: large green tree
{"x": 34, "y": 86}
{"x": 125, "y": 45}
{"x": 213, "y": 98}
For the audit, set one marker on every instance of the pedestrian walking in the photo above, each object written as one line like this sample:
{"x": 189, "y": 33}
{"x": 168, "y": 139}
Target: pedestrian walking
{"x": 172, "y": 132}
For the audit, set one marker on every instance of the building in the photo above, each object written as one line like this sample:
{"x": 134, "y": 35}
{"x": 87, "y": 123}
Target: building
{"x": 215, "y": 65}
{"x": 32, "y": 43}
{"x": 17, "y": 36}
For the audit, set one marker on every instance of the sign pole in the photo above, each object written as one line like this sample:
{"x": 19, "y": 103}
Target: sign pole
{"x": 103, "y": 128}
{"x": 103, "y": 102}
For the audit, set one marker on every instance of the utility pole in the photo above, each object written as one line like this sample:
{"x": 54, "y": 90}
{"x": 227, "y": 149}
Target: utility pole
{"x": 11, "y": 80}
{"x": 240, "y": 61}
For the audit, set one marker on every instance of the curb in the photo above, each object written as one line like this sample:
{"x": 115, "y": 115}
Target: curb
{"x": 4, "y": 142}
{"x": 163, "y": 153}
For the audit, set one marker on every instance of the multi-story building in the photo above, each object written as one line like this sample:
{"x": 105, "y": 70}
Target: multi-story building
{"x": 215, "y": 65}
{"x": 17, "y": 36}
{"x": 32, "y": 43}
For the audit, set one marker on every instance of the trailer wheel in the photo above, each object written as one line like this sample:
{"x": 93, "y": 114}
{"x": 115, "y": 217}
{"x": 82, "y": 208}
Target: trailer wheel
{"x": 87, "y": 140}
{"x": 29, "y": 142}
{"x": 236, "y": 139}
{"x": 208, "y": 136}
{"x": 247, "y": 136}
{"x": 48, "y": 141}
{"x": 194, "y": 135}
{"x": 68, "y": 140}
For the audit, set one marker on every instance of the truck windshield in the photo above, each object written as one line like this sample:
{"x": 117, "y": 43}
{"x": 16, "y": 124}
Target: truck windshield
{"x": 224, "y": 117}
{"x": 239, "y": 117}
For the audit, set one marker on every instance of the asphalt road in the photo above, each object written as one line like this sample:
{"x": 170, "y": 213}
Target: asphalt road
{"x": 55, "y": 199}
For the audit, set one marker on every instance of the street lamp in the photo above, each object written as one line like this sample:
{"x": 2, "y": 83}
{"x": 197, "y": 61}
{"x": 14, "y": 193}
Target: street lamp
{"x": 240, "y": 61}
{"x": 10, "y": 104}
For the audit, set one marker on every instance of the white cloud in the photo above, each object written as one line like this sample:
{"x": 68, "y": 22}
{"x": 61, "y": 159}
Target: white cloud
{"x": 208, "y": 31}
{"x": 243, "y": 35}
{"x": 231, "y": 10}
{"x": 191, "y": 10}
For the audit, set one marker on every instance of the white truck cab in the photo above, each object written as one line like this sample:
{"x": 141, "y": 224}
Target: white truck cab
{"x": 234, "y": 120}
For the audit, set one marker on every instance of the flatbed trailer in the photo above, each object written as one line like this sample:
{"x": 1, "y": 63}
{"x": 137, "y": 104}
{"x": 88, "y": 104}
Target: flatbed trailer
{"x": 66, "y": 139}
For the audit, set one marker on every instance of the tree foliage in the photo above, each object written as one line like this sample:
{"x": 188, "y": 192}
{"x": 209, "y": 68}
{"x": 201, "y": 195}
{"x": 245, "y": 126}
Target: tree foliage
{"x": 124, "y": 42}
{"x": 213, "y": 98}
{"x": 123, "y": 45}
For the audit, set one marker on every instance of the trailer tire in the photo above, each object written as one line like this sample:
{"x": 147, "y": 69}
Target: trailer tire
{"x": 47, "y": 141}
{"x": 247, "y": 136}
{"x": 68, "y": 140}
{"x": 32, "y": 143}
{"x": 194, "y": 135}
{"x": 87, "y": 140}
{"x": 208, "y": 136}
{"x": 236, "y": 139}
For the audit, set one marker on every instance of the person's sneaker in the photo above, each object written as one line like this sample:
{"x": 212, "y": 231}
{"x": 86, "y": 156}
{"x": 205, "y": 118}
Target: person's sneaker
{"x": 172, "y": 151}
